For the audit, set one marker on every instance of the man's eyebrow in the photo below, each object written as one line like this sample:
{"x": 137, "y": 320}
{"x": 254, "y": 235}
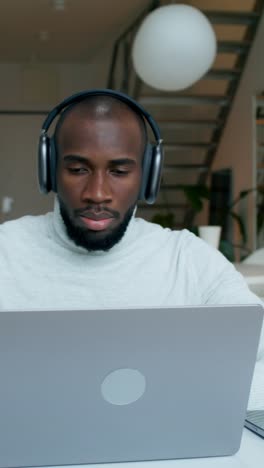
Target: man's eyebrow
{"x": 112, "y": 162}
{"x": 122, "y": 162}
{"x": 75, "y": 158}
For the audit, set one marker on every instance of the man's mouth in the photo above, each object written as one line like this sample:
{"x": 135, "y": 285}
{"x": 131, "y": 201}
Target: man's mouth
{"x": 97, "y": 222}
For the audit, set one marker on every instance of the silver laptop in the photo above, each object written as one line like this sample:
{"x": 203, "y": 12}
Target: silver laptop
{"x": 255, "y": 422}
{"x": 80, "y": 387}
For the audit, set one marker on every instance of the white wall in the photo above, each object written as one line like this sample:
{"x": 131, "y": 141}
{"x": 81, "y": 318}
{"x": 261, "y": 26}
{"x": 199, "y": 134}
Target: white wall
{"x": 237, "y": 148}
{"x": 35, "y": 87}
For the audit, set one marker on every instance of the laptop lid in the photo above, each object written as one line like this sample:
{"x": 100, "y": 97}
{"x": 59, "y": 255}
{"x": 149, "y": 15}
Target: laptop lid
{"x": 99, "y": 386}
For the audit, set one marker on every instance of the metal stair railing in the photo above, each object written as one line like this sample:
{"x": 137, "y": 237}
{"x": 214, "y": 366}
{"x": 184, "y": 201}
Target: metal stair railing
{"x": 123, "y": 77}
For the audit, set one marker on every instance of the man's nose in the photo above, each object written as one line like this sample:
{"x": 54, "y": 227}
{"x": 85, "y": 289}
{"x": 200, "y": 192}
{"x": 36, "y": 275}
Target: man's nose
{"x": 97, "y": 188}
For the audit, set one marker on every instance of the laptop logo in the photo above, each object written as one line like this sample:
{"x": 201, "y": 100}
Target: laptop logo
{"x": 123, "y": 386}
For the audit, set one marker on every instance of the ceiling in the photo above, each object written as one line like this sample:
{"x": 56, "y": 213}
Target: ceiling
{"x": 36, "y": 30}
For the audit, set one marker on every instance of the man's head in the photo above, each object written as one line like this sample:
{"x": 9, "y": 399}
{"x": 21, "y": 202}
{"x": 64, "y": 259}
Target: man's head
{"x": 100, "y": 142}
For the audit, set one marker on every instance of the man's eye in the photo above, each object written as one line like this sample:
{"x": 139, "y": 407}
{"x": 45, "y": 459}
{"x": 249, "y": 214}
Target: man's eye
{"x": 120, "y": 171}
{"x": 77, "y": 170}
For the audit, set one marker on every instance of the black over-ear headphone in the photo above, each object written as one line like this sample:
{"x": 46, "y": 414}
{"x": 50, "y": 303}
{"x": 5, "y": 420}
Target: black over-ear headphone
{"x": 152, "y": 159}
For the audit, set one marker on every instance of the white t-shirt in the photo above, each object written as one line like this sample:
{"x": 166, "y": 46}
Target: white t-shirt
{"x": 41, "y": 268}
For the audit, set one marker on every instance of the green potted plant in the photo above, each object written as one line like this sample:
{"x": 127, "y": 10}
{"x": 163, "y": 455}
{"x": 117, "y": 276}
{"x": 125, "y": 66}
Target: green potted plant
{"x": 196, "y": 195}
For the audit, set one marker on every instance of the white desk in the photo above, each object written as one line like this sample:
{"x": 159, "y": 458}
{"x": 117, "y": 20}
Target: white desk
{"x": 254, "y": 276}
{"x": 250, "y": 455}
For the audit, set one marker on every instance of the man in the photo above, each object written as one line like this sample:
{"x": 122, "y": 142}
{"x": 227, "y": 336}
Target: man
{"x": 92, "y": 252}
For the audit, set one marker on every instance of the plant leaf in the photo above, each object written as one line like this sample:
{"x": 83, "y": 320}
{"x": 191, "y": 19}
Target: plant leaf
{"x": 227, "y": 249}
{"x": 195, "y": 195}
{"x": 241, "y": 225}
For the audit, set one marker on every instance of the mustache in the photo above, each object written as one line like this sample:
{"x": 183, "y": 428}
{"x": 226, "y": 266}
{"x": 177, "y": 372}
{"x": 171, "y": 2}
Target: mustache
{"x": 96, "y": 209}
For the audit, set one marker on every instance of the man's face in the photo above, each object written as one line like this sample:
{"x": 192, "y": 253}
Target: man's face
{"x": 98, "y": 178}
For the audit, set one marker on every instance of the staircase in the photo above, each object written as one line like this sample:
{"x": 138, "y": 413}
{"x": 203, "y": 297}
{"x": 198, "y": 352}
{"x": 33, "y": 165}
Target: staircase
{"x": 191, "y": 121}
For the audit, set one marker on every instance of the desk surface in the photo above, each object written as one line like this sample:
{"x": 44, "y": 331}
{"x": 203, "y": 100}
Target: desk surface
{"x": 254, "y": 274}
{"x": 250, "y": 455}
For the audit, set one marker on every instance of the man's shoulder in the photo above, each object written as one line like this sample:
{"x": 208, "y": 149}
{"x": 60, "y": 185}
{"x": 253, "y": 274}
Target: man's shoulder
{"x": 146, "y": 228}
{"x": 24, "y": 226}
{"x": 182, "y": 241}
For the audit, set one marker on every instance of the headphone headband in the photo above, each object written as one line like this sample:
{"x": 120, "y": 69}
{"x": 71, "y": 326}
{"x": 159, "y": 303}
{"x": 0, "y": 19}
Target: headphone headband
{"x": 78, "y": 97}
{"x": 152, "y": 159}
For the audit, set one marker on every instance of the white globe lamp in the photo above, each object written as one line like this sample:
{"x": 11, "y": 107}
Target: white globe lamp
{"x": 174, "y": 47}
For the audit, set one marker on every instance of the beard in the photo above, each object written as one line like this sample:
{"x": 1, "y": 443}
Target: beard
{"x": 92, "y": 240}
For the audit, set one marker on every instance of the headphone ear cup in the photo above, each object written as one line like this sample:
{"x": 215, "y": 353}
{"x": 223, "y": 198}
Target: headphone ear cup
{"x": 152, "y": 171}
{"x": 53, "y": 164}
{"x": 155, "y": 174}
{"x": 146, "y": 165}
{"x": 43, "y": 164}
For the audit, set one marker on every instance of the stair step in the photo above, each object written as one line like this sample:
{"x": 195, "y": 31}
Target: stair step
{"x": 187, "y": 146}
{"x": 222, "y": 74}
{"x": 184, "y": 124}
{"x": 183, "y": 101}
{"x": 176, "y": 188}
{"x": 233, "y": 47}
{"x": 232, "y": 17}
{"x": 175, "y": 167}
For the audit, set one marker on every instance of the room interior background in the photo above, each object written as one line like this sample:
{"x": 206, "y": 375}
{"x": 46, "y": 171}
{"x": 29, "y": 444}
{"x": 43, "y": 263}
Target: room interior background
{"x": 52, "y": 49}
